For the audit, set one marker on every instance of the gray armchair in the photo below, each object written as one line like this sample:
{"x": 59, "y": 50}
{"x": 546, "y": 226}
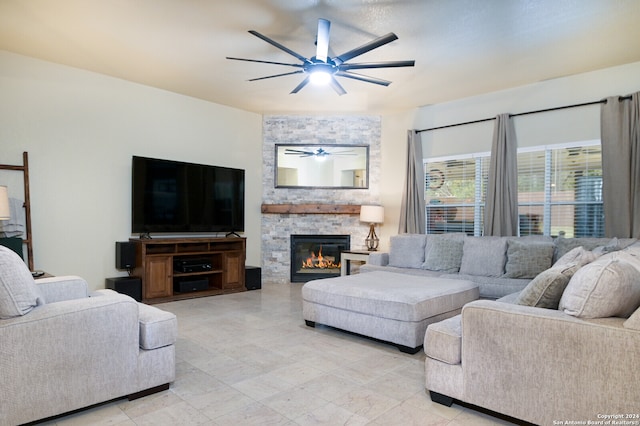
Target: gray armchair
{"x": 62, "y": 349}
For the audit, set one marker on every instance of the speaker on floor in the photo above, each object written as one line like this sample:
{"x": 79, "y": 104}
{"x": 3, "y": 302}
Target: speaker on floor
{"x": 252, "y": 278}
{"x": 131, "y": 286}
{"x": 125, "y": 255}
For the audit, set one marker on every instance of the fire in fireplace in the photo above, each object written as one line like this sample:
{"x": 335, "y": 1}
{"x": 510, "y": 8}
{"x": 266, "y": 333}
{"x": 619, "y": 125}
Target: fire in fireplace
{"x": 316, "y": 256}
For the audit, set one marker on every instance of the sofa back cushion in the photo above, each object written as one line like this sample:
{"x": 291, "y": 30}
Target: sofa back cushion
{"x": 18, "y": 291}
{"x": 564, "y": 245}
{"x": 443, "y": 252}
{"x": 607, "y": 287}
{"x": 483, "y": 256}
{"x": 407, "y": 250}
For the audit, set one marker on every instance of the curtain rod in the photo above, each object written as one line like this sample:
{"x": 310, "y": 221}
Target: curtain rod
{"x": 603, "y": 101}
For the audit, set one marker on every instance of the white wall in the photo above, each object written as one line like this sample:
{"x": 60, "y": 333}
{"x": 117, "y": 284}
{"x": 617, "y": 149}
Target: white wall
{"x": 575, "y": 124}
{"x": 81, "y": 129}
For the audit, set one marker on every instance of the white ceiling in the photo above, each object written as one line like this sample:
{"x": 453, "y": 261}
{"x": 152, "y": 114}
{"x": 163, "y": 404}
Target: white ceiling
{"x": 461, "y": 47}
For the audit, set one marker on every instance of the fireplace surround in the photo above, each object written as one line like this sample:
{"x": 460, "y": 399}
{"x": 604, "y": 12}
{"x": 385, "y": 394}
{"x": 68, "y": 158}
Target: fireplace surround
{"x": 278, "y": 224}
{"x": 317, "y": 256}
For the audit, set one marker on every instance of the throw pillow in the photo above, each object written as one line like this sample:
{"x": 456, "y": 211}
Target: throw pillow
{"x": 444, "y": 253}
{"x": 576, "y": 258}
{"x": 407, "y": 250}
{"x": 607, "y": 287}
{"x": 527, "y": 259}
{"x": 18, "y": 291}
{"x": 545, "y": 290}
{"x": 564, "y": 245}
{"x": 484, "y": 256}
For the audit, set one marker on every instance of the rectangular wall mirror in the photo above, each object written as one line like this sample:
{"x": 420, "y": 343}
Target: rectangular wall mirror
{"x": 322, "y": 166}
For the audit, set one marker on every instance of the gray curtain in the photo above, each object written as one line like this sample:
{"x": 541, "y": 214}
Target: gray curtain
{"x": 620, "y": 135}
{"x": 412, "y": 210}
{"x": 501, "y": 206}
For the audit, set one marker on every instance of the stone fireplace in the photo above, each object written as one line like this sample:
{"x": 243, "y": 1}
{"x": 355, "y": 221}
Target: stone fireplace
{"x": 316, "y": 256}
{"x": 277, "y": 228}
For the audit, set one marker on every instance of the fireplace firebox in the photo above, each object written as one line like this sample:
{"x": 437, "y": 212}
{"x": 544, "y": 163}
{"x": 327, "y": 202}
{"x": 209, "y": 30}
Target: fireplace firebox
{"x": 317, "y": 256}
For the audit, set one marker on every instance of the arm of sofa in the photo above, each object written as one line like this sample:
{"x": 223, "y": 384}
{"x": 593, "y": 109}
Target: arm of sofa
{"x": 67, "y": 355}
{"x": 56, "y": 289}
{"x": 378, "y": 259}
{"x": 542, "y": 365}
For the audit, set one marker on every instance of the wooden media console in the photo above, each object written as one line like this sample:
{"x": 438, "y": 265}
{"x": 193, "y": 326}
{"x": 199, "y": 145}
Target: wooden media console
{"x": 168, "y": 266}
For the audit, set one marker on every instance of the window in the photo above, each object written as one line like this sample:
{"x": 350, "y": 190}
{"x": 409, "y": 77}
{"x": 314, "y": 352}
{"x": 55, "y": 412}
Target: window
{"x": 455, "y": 189}
{"x": 559, "y": 191}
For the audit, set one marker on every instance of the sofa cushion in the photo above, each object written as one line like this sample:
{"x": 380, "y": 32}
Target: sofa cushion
{"x": 444, "y": 252}
{"x": 407, "y": 250}
{"x": 545, "y": 290}
{"x": 526, "y": 259}
{"x": 483, "y": 256}
{"x": 443, "y": 340}
{"x": 607, "y": 287}
{"x": 564, "y": 245}
{"x": 158, "y": 328}
{"x": 633, "y": 322}
{"x": 18, "y": 291}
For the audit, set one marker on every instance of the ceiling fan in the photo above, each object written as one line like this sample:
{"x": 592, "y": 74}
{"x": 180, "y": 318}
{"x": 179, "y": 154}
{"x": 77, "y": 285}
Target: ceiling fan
{"x": 317, "y": 153}
{"x": 322, "y": 66}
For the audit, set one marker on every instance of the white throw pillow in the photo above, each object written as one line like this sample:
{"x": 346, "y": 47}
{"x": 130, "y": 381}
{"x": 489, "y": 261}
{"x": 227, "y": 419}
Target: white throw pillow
{"x": 607, "y": 287}
{"x": 18, "y": 291}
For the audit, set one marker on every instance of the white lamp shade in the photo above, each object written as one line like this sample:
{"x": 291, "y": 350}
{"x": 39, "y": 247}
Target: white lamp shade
{"x": 4, "y": 203}
{"x": 372, "y": 214}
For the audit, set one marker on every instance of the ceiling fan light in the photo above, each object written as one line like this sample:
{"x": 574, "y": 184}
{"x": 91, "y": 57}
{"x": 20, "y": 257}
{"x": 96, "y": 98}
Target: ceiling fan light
{"x": 320, "y": 78}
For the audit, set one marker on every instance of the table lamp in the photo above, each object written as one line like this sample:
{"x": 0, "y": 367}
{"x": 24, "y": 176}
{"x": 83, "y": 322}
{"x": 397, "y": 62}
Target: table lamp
{"x": 372, "y": 215}
{"x": 4, "y": 203}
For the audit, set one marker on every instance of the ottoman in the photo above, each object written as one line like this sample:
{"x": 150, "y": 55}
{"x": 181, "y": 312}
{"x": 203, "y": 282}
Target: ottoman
{"x": 387, "y": 306}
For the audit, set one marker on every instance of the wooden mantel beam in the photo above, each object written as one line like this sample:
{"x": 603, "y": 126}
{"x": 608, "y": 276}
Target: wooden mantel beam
{"x": 311, "y": 208}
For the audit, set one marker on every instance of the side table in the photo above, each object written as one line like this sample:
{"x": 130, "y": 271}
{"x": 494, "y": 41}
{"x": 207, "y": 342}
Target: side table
{"x": 347, "y": 256}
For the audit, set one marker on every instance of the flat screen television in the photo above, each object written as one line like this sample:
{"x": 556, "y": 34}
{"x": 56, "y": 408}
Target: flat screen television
{"x": 176, "y": 197}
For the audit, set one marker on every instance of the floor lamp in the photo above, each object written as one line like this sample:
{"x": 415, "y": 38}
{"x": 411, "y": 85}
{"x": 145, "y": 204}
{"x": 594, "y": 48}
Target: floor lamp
{"x": 372, "y": 215}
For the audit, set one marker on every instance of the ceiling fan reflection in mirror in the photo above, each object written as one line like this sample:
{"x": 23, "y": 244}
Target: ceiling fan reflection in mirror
{"x": 322, "y": 67}
{"x": 320, "y": 152}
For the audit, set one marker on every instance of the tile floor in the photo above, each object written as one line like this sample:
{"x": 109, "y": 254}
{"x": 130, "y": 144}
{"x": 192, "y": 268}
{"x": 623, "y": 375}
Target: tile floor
{"x": 248, "y": 359}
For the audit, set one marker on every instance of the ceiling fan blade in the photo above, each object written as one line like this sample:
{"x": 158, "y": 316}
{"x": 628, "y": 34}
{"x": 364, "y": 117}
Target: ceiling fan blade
{"x": 278, "y": 45}
{"x": 265, "y": 62}
{"x": 380, "y": 41}
{"x": 296, "y": 151}
{"x": 342, "y": 153}
{"x": 322, "y": 40}
{"x": 368, "y": 65}
{"x": 276, "y": 75}
{"x": 364, "y": 78}
{"x": 336, "y": 86}
{"x": 300, "y": 86}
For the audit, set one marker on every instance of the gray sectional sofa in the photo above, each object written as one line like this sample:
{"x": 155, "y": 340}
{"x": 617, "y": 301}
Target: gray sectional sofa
{"x": 499, "y": 265}
{"x": 564, "y": 350}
